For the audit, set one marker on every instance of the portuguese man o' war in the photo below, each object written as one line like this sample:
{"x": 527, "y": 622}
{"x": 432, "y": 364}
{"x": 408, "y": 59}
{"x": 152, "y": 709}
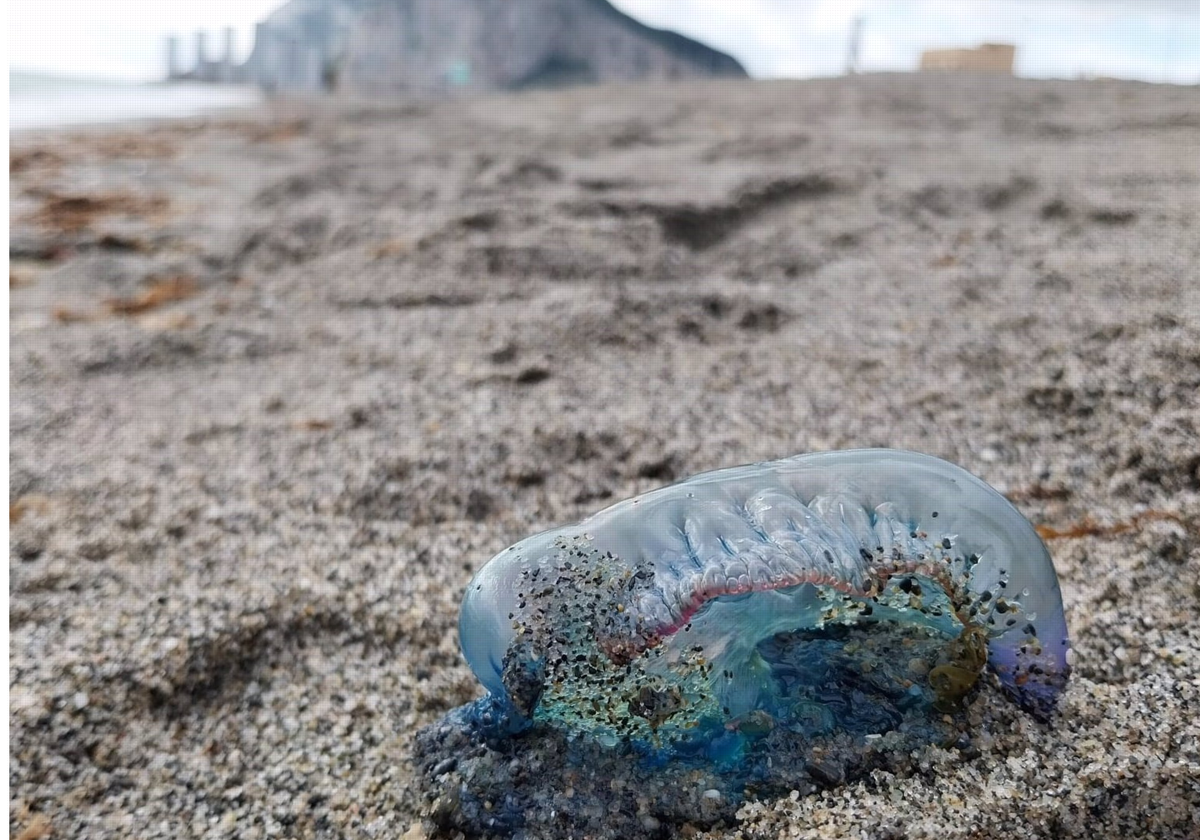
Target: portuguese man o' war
{"x": 778, "y": 626}
{"x": 729, "y": 599}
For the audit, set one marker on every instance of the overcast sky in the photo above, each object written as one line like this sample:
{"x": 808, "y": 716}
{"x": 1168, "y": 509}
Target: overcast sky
{"x": 1156, "y": 40}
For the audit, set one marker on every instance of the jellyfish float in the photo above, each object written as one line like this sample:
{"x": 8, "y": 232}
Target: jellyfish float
{"x": 753, "y": 613}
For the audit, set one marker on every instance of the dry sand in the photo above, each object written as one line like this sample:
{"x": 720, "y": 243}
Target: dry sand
{"x": 280, "y": 385}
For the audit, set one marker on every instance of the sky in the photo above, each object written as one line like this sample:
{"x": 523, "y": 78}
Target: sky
{"x": 1154, "y": 40}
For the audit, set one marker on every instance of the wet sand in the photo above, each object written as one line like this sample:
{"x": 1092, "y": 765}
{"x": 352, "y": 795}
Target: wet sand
{"x": 278, "y": 386}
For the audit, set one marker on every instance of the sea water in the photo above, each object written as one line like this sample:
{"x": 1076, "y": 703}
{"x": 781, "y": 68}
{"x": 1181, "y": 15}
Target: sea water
{"x": 40, "y": 101}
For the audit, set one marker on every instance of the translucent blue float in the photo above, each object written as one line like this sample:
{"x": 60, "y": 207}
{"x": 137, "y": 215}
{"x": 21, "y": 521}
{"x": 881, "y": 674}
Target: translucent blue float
{"x": 854, "y": 592}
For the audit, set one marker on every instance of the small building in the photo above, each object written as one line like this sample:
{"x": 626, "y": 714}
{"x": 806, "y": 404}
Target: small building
{"x": 986, "y": 58}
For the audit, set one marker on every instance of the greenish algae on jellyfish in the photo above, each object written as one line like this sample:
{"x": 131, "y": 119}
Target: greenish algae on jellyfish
{"x": 743, "y": 617}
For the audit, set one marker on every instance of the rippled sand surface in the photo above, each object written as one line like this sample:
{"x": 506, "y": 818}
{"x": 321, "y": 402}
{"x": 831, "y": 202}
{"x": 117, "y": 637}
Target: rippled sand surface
{"x": 278, "y": 386}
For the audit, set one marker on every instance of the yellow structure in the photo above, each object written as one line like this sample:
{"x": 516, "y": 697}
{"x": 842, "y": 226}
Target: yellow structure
{"x": 988, "y": 58}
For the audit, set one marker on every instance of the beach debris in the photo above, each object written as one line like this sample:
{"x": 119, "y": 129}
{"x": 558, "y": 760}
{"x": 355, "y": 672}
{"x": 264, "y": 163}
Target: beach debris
{"x": 141, "y": 306}
{"x": 33, "y": 159}
{"x": 21, "y": 275}
{"x": 76, "y": 213}
{"x": 312, "y": 425}
{"x": 31, "y": 503}
{"x": 274, "y": 130}
{"x": 38, "y": 827}
{"x": 1088, "y": 527}
{"x": 119, "y": 242}
{"x": 532, "y": 375}
{"x": 751, "y": 618}
{"x": 153, "y": 144}
{"x": 165, "y": 321}
{"x": 158, "y": 293}
{"x": 67, "y": 315}
{"x": 1039, "y": 492}
{"x": 395, "y": 247}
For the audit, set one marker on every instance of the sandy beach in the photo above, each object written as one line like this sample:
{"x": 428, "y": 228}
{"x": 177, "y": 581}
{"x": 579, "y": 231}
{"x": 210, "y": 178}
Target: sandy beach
{"x": 280, "y": 384}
